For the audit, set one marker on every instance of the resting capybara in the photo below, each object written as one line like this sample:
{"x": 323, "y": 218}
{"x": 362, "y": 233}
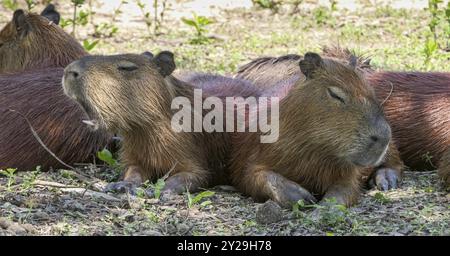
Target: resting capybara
{"x": 31, "y": 41}
{"x": 416, "y": 105}
{"x": 28, "y": 42}
{"x": 57, "y": 120}
{"x": 268, "y": 72}
{"x": 132, "y": 96}
{"x": 331, "y": 131}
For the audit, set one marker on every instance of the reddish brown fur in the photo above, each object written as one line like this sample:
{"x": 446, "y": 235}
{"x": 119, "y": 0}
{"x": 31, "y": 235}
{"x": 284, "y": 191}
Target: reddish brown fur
{"x": 142, "y": 116}
{"x": 44, "y": 45}
{"x": 36, "y": 93}
{"x": 417, "y": 108}
{"x": 305, "y": 154}
{"x": 56, "y": 119}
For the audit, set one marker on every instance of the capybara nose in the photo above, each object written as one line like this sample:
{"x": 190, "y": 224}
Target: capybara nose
{"x": 74, "y": 70}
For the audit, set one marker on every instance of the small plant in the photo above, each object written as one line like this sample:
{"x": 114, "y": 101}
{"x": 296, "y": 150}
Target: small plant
{"x": 331, "y": 214}
{"x": 430, "y": 48}
{"x": 153, "y": 217}
{"x": 199, "y": 23}
{"x": 105, "y": 30}
{"x": 107, "y": 157}
{"x": 300, "y": 205}
{"x": 268, "y": 4}
{"x": 199, "y": 197}
{"x": 157, "y": 187}
{"x": 10, "y": 4}
{"x": 447, "y": 30}
{"x": 89, "y": 46}
{"x": 145, "y": 14}
{"x": 30, "y": 178}
{"x": 381, "y": 198}
{"x": 333, "y": 5}
{"x": 117, "y": 11}
{"x": 433, "y": 7}
{"x": 321, "y": 15}
{"x": 10, "y": 174}
{"x": 30, "y": 4}
{"x": 158, "y": 17}
{"x": 78, "y": 18}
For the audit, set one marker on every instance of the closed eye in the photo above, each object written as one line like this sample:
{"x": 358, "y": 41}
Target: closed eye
{"x": 335, "y": 96}
{"x": 127, "y": 67}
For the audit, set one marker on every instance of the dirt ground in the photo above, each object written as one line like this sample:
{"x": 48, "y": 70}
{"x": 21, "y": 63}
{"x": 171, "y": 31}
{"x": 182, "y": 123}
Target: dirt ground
{"x": 68, "y": 202}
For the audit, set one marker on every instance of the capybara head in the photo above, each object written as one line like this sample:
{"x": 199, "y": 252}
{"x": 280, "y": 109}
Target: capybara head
{"x": 116, "y": 91}
{"x": 33, "y": 41}
{"x": 340, "y": 112}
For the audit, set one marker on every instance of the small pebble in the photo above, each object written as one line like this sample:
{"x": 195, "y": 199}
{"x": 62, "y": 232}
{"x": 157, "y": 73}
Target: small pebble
{"x": 269, "y": 212}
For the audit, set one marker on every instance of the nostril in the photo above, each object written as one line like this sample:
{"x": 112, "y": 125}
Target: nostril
{"x": 374, "y": 138}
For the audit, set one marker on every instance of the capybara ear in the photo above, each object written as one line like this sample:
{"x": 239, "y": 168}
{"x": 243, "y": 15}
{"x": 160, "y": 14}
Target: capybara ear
{"x": 51, "y": 14}
{"x": 148, "y": 54}
{"x": 310, "y": 63}
{"x": 165, "y": 62}
{"x": 20, "y": 21}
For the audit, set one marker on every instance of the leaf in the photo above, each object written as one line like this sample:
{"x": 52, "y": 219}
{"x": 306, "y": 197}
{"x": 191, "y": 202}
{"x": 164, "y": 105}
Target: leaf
{"x": 205, "y": 203}
{"x": 202, "y": 195}
{"x": 107, "y": 157}
{"x": 189, "y": 22}
{"x": 158, "y": 186}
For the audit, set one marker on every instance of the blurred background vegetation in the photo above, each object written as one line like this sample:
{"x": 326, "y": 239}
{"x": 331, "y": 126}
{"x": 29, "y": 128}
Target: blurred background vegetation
{"x": 218, "y": 36}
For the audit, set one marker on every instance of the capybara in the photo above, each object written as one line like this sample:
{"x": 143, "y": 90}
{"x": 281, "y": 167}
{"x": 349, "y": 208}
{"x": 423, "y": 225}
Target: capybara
{"x": 331, "y": 130}
{"x": 31, "y": 41}
{"x": 37, "y": 94}
{"x": 267, "y": 72}
{"x": 416, "y": 104}
{"x": 132, "y": 95}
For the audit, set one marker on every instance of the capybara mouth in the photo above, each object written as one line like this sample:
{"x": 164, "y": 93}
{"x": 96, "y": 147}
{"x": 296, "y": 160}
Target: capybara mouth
{"x": 369, "y": 158}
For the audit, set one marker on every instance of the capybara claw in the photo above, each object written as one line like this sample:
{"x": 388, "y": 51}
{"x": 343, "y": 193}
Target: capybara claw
{"x": 122, "y": 187}
{"x": 289, "y": 193}
{"x": 386, "y": 179}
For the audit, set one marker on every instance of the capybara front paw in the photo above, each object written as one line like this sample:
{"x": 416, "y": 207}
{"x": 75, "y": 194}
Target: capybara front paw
{"x": 122, "y": 187}
{"x": 385, "y": 179}
{"x": 289, "y": 193}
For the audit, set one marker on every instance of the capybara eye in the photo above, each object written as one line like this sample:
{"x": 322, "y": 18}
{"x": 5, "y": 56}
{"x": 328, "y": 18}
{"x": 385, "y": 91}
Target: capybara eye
{"x": 334, "y": 94}
{"x": 128, "y": 66}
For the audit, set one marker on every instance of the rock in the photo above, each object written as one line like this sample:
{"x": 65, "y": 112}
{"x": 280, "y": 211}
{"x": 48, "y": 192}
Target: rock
{"x": 17, "y": 229}
{"x": 269, "y": 212}
{"x": 5, "y": 223}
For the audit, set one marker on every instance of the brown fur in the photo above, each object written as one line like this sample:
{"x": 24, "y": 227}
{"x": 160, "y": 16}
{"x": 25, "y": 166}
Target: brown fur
{"x": 444, "y": 168}
{"x": 37, "y": 94}
{"x": 420, "y": 125}
{"x": 38, "y": 43}
{"x": 418, "y": 109}
{"x": 142, "y": 116}
{"x": 56, "y": 119}
{"x": 317, "y": 135}
{"x": 265, "y": 72}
